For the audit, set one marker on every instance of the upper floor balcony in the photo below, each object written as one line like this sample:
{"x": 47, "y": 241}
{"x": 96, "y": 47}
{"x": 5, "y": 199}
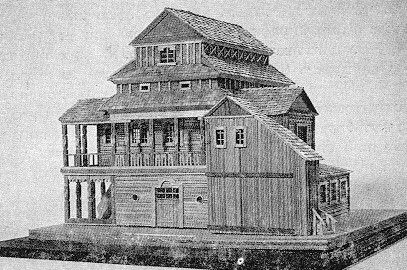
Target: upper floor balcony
{"x": 165, "y": 142}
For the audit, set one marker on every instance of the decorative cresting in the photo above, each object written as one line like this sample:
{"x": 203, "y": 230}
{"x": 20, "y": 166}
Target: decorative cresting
{"x": 235, "y": 54}
{"x": 88, "y": 199}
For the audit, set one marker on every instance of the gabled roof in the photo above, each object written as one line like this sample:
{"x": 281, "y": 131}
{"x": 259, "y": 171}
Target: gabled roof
{"x": 328, "y": 170}
{"x": 292, "y": 140}
{"x": 275, "y": 100}
{"x": 211, "y": 67}
{"x": 210, "y": 29}
{"x": 164, "y": 99}
{"x": 85, "y": 111}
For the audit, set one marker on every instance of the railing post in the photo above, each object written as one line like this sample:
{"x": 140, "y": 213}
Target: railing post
{"x": 78, "y": 200}
{"x": 127, "y": 144}
{"x": 78, "y": 145}
{"x": 113, "y": 141}
{"x": 151, "y": 141}
{"x": 84, "y": 146}
{"x": 65, "y": 146}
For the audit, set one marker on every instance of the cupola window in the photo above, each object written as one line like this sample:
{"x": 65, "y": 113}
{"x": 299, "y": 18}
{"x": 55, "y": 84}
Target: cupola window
{"x": 167, "y": 55}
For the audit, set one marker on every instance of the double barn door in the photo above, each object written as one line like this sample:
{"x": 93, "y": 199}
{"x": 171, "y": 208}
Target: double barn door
{"x": 167, "y": 206}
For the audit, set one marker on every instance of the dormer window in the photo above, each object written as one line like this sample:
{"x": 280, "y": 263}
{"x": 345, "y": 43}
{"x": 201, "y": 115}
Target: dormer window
{"x": 167, "y": 55}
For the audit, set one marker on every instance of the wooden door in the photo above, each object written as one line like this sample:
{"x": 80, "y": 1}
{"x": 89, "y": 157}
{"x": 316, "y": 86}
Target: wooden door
{"x": 167, "y": 205}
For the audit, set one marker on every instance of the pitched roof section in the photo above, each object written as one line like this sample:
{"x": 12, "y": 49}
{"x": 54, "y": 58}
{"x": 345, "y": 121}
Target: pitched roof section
{"x": 131, "y": 73}
{"x": 164, "y": 99}
{"x": 210, "y": 29}
{"x": 245, "y": 70}
{"x": 276, "y": 100}
{"x": 211, "y": 67}
{"x": 85, "y": 111}
{"x": 299, "y": 146}
{"x": 328, "y": 170}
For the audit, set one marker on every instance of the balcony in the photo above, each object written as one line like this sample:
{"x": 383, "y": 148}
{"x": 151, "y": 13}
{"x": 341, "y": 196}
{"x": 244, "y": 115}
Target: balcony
{"x": 151, "y": 159}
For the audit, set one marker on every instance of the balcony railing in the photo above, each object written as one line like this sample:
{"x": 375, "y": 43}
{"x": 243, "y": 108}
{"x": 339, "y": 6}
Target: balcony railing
{"x": 162, "y": 159}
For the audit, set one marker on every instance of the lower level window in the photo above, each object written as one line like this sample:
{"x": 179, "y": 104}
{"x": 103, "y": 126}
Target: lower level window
{"x": 322, "y": 193}
{"x": 334, "y": 190}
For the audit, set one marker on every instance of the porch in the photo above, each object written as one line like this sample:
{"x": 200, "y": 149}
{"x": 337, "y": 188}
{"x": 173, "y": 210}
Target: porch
{"x": 162, "y": 142}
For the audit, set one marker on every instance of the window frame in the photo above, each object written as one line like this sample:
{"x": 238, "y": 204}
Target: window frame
{"x": 169, "y": 132}
{"x": 240, "y": 145}
{"x": 220, "y": 128}
{"x": 144, "y": 84}
{"x": 331, "y": 193}
{"x": 325, "y": 184}
{"x": 307, "y": 130}
{"x": 185, "y": 82}
{"x": 167, "y": 62}
{"x": 105, "y": 133}
{"x": 133, "y": 89}
{"x": 341, "y": 197}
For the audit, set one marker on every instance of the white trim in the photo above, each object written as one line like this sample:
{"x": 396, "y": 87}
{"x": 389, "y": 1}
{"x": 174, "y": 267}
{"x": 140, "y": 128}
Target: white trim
{"x": 185, "y": 82}
{"x": 167, "y": 64}
{"x": 144, "y": 84}
{"x": 124, "y": 117}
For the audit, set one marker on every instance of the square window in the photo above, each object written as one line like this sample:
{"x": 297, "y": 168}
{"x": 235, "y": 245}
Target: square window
{"x": 144, "y": 87}
{"x": 240, "y": 137}
{"x": 186, "y": 85}
{"x": 220, "y": 137}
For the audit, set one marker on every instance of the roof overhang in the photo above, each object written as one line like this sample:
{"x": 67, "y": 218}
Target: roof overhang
{"x": 126, "y": 117}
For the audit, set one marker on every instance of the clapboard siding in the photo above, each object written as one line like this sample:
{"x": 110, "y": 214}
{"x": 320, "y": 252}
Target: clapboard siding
{"x": 141, "y": 212}
{"x": 265, "y": 203}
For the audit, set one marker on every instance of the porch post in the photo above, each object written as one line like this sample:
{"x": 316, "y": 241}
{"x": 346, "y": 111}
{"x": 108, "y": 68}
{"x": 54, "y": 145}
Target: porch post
{"x": 113, "y": 141}
{"x": 78, "y": 145}
{"x": 203, "y": 148}
{"x": 78, "y": 200}
{"x": 84, "y": 145}
{"x": 102, "y": 188}
{"x": 176, "y": 142}
{"x": 127, "y": 144}
{"x": 65, "y": 146}
{"x": 151, "y": 140}
{"x": 91, "y": 200}
{"x": 67, "y": 203}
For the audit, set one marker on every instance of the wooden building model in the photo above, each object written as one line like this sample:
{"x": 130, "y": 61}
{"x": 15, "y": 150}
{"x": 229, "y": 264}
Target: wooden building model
{"x": 202, "y": 133}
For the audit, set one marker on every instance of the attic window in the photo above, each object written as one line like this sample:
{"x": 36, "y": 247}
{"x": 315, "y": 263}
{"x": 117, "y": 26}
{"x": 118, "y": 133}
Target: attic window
{"x": 144, "y": 87}
{"x": 167, "y": 55}
{"x": 186, "y": 85}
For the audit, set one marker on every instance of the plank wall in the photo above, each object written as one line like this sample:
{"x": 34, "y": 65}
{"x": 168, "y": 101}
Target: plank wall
{"x": 256, "y": 202}
{"x": 141, "y": 212}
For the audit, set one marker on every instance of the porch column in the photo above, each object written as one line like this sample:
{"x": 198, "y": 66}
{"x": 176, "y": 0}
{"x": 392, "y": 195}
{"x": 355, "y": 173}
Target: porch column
{"x": 78, "y": 200}
{"x": 102, "y": 188}
{"x": 84, "y": 146}
{"x": 78, "y": 145}
{"x": 91, "y": 200}
{"x": 113, "y": 141}
{"x": 151, "y": 140}
{"x": 65, "y": 146}
{"x": 127, "y": 144}
{"x": 176, "y": 142}
{"x": 67, "y": 203}
{"x": 203, "y": 146}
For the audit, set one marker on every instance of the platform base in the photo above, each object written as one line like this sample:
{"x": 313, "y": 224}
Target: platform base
{"x": 364, "y": 233}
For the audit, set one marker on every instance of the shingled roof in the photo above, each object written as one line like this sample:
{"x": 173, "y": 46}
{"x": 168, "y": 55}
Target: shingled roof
{"x": 211, "y": 67}
{"x": 298, "y": 145}
{"x": 85, "y": 111}
{"x": 328, "y": 170}
{"x": 210, "y": 29}
{"x": 275, "y": 100}
{"x": 203, "y": 98}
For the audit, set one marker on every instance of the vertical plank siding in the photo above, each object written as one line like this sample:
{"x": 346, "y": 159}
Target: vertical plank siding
{"x": 273, "y": 204}
{"x": 140, "y": 212}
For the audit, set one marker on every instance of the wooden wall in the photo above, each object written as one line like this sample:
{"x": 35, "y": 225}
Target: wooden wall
{"x": 141, "y": 212}
{"x": 277, "y": 202}
{"x": 186, "y": 53}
